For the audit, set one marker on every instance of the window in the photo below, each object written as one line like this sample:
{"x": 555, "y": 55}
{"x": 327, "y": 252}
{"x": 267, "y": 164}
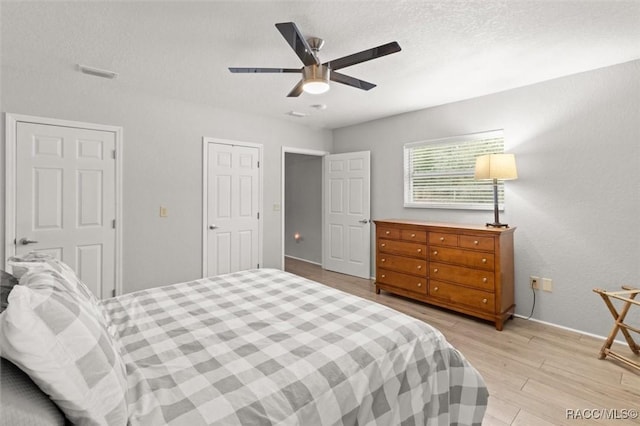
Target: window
{"x": 439, "y": 173}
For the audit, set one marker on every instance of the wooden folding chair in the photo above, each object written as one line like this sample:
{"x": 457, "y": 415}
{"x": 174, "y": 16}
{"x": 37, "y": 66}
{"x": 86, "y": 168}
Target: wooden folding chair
{"x": 627, "y": 295}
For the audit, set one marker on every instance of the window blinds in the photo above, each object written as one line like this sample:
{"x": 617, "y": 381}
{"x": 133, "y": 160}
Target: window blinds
{"x": 440, "y": 173}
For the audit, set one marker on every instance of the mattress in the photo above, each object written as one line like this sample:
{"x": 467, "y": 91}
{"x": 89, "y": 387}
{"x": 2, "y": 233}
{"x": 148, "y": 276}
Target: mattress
{"x": 266, "y": 347}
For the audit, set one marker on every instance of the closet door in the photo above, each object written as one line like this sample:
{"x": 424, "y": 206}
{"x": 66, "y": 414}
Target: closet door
{"x": 233, "y": 198}
{"x": 66, "y": 200}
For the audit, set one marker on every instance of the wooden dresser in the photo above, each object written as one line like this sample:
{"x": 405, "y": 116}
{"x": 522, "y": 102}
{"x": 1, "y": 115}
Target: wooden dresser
{"x": 468, "y": 269}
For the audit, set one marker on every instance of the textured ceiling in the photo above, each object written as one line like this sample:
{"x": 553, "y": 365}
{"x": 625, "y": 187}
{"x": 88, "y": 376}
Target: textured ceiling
{"x": 451, "y": 50}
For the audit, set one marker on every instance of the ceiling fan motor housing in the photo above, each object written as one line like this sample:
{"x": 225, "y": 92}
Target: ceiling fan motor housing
{"x": 315, "y": 73}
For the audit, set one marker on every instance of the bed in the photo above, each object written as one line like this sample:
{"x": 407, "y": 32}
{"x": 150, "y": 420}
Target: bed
{"x": 266, "y": 347}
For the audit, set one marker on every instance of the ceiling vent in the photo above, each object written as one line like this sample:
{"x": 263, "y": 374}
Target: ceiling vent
{"x": 97, "y": 72}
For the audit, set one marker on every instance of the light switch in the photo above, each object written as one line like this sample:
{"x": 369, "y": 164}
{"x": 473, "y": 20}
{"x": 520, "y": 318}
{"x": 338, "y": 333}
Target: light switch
{"x": 276, "y": 207}
{"x": 164, "y": 212}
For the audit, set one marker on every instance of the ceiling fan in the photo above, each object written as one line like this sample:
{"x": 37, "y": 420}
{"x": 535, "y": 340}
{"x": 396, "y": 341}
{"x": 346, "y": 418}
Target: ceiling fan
{"x": 316, "y": 75}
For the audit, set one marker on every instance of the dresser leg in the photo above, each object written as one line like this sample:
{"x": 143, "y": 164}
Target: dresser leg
{"x": 377, "y": 290}
{"x": 499, "y": 324}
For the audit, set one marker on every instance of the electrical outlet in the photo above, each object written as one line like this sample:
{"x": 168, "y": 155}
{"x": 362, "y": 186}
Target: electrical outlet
{"x": 164, "y": 212}
{"x": 534, "y": 282}
{"x": 547, "y": 284}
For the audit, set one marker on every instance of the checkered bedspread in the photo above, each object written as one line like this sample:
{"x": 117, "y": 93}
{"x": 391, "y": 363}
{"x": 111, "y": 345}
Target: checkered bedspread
{"x": 265, "y": 347}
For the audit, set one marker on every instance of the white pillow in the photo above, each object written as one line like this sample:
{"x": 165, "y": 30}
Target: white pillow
{"x": 34, "y": 260}
{"x": 53, "y": 336}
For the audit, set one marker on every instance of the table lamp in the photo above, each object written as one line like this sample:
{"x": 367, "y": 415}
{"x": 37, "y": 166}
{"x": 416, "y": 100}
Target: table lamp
{"x": 496, "y": 166}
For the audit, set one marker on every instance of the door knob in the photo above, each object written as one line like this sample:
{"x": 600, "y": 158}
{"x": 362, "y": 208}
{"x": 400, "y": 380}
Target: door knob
{"x": 364, "y": 221}
{"x": 25, "y": 241}
{"x": 213, "y": 226}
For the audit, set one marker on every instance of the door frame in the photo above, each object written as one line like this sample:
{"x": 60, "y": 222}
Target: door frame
{"x": 205, "y": 195}
{"x": 294, "y": 150}
{"x": 11, "y": 141}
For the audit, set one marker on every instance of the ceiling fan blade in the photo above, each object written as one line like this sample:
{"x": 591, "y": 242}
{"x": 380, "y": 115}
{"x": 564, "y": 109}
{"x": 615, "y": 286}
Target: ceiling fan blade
{"x": 296, "y": 91}
{"x": 265, "y": 70}
{"x": 365, "y": 55}
{"x": 350, "y": 81}
{"x": 292, "y": 35}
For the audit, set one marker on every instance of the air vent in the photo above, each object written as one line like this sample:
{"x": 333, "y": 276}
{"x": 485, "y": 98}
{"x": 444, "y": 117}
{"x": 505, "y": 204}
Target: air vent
{"x": 97, "y": 72}
{"x": 296, "y": 114}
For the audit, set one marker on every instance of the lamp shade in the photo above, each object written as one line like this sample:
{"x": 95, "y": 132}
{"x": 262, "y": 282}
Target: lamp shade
{"x": 496, "y": 166}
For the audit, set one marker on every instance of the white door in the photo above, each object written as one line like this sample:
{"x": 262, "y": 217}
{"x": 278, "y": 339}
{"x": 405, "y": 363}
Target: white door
{"x": 347, "y": 228}
{"x": 233, "y": 203}
{"x": 65, "y": 199}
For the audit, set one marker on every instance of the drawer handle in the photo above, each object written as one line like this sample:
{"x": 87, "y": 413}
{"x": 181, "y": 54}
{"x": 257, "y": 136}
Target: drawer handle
{"x": 435, "y": 252}
{"x": 383, "y": 260}
{"x": 419, "y": 250}
{"x": 419, "y": 284}
{"x": 435, "y": 270}
{"x": 387, "y": 233}
{"x": 441, "y": 238}
{"x": 484, "y": 280}
{"x": 484, "y": 300}
{"x": 419, "y": 266}
{"x": 383, "y": 245}
{"x": 475, "y": 242}
{"x": 484, "y": 260}
{"x": 413, "y": 235}
{"x": 383, "y": 276}
{"x": 435, "y": 289}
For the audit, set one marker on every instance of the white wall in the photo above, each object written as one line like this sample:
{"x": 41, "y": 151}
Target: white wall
{"x": 576, "y": 204}
{"x": 162, "y": 162}
{"x": 303, "y": 206}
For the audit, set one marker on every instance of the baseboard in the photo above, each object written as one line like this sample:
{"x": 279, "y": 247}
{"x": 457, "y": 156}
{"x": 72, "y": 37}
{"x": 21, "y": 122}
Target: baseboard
{"x": 303, "y": 260}
{"x": 595, "y": 336}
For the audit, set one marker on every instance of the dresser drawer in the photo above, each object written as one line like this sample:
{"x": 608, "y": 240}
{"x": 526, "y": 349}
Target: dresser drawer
{"x": 404, "y": 281}
{"x": 473, "y": 242}
{"x": 392, "y": 233}
{"x": 477, "y": 278}
{"x": 462, "y": 257}
{"x": 476, "y": 299}
{"x": 443, "y": 239}
{"x": 402, "y": 264}
{"x": 403, "y": 248}
{"x": 411, "y": 235}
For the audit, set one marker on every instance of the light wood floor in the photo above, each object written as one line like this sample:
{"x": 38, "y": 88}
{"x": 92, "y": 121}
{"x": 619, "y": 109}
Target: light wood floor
{"x": 534, "y": 372}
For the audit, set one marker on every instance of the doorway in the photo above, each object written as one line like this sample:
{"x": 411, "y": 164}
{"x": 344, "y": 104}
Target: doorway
{"x": 302, "y": 213}
{"x": 344, "y": 200}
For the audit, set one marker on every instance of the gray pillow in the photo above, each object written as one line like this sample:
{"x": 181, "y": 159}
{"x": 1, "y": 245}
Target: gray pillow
{"x": 22, "y": 403}
{"x": 7, "y": 281}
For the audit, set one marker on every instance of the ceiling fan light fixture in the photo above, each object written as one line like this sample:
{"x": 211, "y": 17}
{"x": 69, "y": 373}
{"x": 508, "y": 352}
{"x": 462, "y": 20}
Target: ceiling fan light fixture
{"x": 315, "y": 87}
{"x": 316, "y": 79}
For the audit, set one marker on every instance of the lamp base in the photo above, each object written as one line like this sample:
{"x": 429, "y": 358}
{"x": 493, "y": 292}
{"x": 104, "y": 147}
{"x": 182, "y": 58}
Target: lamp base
{"x": 497, "y": 225}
